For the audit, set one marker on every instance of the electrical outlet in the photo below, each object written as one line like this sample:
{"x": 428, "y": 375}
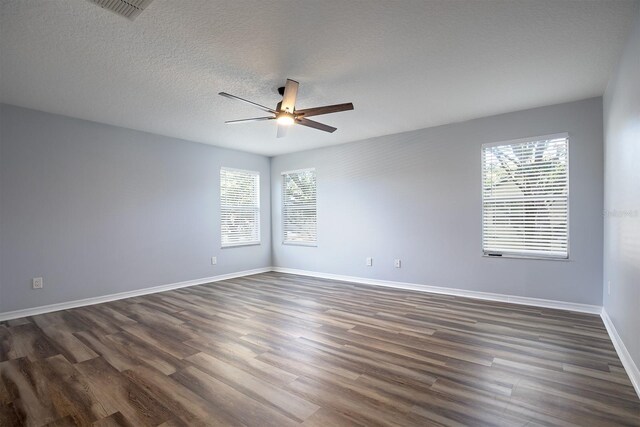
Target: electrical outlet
{"x": 369, "y": 261}
{"x": 37, "y": 283}
{"x": 397, "y": 263}
{"x": 214, "y": 260}
{"x": 609, "y": 287}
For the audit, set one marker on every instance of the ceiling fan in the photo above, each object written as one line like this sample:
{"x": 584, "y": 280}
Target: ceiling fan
{"x": 285, "y": 113}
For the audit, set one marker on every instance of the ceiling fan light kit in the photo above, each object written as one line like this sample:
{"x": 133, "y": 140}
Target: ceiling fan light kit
{"x": 285, "y": 113}
{"x": 285, "y": 119}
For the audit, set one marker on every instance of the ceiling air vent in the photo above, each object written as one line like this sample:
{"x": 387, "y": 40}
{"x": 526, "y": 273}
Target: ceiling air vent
{"x": 129, "y": 8}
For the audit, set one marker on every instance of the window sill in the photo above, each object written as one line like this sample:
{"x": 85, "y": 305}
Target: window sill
{"x": 525, "y": 257}
{"x": 309, "y": 244}
{"x": 235, "y": 245}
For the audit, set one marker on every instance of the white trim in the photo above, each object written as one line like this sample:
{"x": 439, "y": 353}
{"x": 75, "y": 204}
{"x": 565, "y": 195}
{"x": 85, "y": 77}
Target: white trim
{"x": 256, "y": 173}
{"x": 631, "y": 368}
{"x": 559, "y": 135}
{"x": 296, "y": 243}
{"x": 128, "y": 294}
{"x": 629, "y": 365}
{"x": 536, "y": 302}
{"x": 503, "y": 254}
{"x": 525, "y": 257}
{"x": 283, "y": 202}
{"x": 256, "y": 208}
{"x": 298, "y": 171}
{"x": 235, "y": 245}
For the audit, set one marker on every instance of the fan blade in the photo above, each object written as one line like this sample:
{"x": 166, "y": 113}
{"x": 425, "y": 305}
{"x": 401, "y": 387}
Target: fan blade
{"x": 262, "y": 107}
{"x": 315, "y": 125}
{"x": 289, "y": 97}
{"x": 327, "y": 109}
{"x": 255, "y": 119}
{"x": 282, "y": 131}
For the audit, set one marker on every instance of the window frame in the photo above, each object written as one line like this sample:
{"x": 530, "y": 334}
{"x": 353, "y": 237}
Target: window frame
{"x": 258, "y": 209}
{"x": 485, "y": 254}
{"x": 293, "y": 242}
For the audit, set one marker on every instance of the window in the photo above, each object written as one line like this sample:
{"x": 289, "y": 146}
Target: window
{"x": 299, "y": 207}
{"x": 525, "y": 198}
{"x": 239, "y": 207}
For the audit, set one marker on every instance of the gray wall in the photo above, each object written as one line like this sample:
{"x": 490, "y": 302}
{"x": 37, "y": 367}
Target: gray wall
{"x": 416, "y": 196}
{"x": 622, "y": 196}
{"x": 97, "y": 209}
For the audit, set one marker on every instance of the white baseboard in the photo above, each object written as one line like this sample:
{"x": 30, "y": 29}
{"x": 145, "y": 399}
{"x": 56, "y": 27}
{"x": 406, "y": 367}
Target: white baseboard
{"x": 537, "y": 302}
{"x": 628, "y": 363}
{"x": 623, "y": 353}
{"x": 121, "y": 295}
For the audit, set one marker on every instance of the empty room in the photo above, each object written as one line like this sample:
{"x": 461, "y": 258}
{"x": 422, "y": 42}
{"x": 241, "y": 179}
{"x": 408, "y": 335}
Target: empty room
{"x": 319, "y": 213}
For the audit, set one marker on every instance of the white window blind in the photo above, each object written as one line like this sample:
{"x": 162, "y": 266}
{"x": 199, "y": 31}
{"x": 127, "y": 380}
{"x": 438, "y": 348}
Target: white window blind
{"x": 299, "y": 207}
{"x": 239, "y": 207}
{"x": 525, "y": 198}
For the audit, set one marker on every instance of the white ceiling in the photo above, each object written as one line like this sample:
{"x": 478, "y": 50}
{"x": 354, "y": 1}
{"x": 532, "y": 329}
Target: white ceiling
{"x": 404, "y": 64}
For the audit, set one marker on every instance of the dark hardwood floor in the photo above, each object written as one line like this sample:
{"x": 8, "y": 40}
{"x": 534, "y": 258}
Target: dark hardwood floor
{"x": 281, "y": 350}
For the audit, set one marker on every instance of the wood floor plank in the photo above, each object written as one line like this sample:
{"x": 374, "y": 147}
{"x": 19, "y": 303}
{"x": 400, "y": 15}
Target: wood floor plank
{"x": 143, "y": 352}
{"x": 162, "y": 339}
{"x": 180, "y": 401}
{"x": 67, "y": 344}
{"x": 28, "y": 341}
{"x": 99, "y": 321}
{"x": 116, "y": 393}
{"x": 255, "y": 387}
{"x": 237, "y": 355}
{"x": 5, "y": 343}
{"x": 276, "y": 349}
{"x": 324, "y": 417}
{"x": 29, "y": 397}
{"x": 9, "y": 416}
{"x": 69, "y": 392}
{"x": 114, "y": 353}
{"x": 114, "y": 420}
{"x": 231, "y": 401}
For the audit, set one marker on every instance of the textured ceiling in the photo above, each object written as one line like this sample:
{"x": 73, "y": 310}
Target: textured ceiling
{"x": 404, "y": 64}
